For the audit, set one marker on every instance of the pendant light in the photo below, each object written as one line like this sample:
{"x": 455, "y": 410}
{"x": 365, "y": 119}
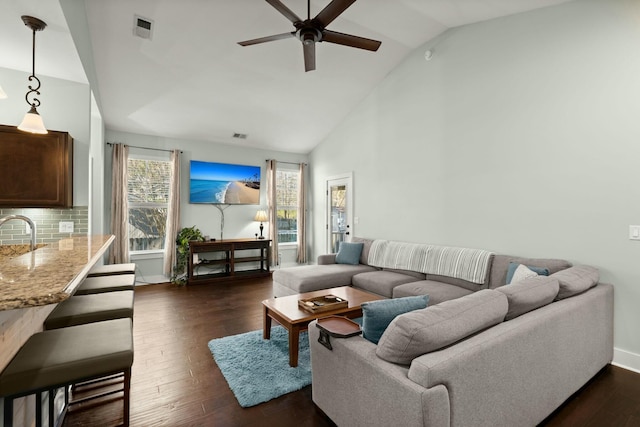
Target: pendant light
{"x": 32, "y": 121}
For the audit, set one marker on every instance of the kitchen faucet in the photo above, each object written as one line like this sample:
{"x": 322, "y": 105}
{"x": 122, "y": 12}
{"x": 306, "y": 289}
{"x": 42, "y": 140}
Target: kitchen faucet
{"x": 28, "y": 221}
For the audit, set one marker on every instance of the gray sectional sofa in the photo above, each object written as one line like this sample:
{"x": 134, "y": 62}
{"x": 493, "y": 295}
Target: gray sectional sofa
{"x": 480, "y": 354}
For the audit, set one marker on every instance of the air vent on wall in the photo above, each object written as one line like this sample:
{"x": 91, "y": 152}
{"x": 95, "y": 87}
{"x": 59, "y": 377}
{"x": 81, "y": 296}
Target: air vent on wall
{"x": 240, "y": 135}
{"x": 142, "y": 27}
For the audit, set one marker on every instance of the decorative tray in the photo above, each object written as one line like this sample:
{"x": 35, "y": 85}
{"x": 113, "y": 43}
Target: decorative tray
{"x": 322, "y": 303}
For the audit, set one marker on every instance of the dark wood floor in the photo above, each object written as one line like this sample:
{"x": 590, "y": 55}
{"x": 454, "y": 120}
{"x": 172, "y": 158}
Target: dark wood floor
{"x": 175, "y": 381}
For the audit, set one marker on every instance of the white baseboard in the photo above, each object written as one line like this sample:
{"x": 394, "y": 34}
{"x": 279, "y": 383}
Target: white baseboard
{"x": 151, "y": 280}
{"x": 627, "y": 360}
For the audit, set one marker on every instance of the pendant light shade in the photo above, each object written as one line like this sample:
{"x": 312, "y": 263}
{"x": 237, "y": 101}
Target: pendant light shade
{"x": 32, "y": 121}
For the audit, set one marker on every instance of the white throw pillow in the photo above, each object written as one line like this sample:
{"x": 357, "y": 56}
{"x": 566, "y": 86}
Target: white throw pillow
{"x": 521, "y": 273}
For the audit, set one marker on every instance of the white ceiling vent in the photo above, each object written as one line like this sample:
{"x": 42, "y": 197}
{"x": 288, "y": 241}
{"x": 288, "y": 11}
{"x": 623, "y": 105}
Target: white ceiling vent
{"x": 142, "y": 27}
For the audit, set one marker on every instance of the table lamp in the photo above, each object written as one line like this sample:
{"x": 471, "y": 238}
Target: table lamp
{"x": 261, "y": 216}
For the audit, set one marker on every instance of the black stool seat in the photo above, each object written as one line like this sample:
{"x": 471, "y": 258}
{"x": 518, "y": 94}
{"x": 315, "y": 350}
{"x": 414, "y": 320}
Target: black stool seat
{"x": 62, "y": 357}
{"x": 83, "y": 309}
{"x": 100, "y": 284}
{"x": 112, "y": 269}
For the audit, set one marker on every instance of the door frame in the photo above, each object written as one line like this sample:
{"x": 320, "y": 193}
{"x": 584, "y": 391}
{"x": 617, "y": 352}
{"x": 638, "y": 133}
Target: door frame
{"x": 347, "y": 180}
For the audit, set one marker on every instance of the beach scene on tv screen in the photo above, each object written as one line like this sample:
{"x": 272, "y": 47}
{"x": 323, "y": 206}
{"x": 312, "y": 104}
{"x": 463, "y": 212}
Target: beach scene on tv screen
{"x": 224, "y": 183}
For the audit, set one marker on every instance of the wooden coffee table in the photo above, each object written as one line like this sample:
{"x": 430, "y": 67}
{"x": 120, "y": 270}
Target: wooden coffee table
{"x": 285, "y": 311}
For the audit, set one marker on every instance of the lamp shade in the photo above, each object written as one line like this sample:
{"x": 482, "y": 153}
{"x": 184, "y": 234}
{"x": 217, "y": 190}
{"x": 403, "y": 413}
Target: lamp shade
{"x": 261, "y": 216}
{"x": 3, "y": 94}
{"x": 32, "y": 122}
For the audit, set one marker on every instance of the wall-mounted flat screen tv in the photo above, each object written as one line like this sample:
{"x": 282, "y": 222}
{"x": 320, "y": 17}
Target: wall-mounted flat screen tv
{"x": 223, "y": 183}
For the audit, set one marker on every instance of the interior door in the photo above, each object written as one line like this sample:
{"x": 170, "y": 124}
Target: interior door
{"x": 339, "y": 211}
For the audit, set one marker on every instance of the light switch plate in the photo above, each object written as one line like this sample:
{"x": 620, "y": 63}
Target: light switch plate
{"x": 634, "y": 232}
{"x": 65, "y": 227}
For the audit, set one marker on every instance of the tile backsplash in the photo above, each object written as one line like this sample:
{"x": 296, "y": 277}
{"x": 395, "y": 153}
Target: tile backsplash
{"x": 47, "y": 224}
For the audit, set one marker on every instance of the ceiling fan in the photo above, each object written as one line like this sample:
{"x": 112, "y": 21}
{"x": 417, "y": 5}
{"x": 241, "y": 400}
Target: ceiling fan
{"x": 311, "y": 31}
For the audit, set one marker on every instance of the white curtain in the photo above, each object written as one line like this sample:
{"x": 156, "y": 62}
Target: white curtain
{"x": 119, "y": 251}
{"x": 173, "y": 215}
{"x": 272, "y": 209}
{"x": 302, "y": 216}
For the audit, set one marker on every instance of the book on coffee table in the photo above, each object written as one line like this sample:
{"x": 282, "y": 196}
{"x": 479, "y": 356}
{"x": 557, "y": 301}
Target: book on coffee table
{"x": 322, "y": 303}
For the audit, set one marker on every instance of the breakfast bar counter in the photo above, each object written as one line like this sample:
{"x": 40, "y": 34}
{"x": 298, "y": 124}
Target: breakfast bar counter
{"x": 33, "y": 283}
{"x": 49, "y": 274}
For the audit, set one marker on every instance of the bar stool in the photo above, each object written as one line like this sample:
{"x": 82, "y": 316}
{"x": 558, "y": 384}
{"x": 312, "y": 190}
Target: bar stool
{"x": 61, "y": 357}
{"x": 112, "y": 269}
{"x": 83, "y": 309}
{"x": 100, "y": 284}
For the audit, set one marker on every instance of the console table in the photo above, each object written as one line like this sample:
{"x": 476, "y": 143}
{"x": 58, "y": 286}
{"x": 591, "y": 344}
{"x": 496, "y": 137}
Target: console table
{"x": 220, "y": 260}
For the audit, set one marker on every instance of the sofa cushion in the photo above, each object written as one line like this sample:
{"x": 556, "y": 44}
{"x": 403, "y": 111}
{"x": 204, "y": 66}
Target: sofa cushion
{"x": 456, "y": 282}
{"x": 349, "y": 253}
{"x": 381, "y": 282}
{"x": 438, "y": 292}
{"x": 576, "y": 280}
{"x": 514, "y": 267}
{"x": 422, "y": 331}
{"x": 529, "y": 294}
{"x": 500, "y": 266}
{"x": 307, "y": 278}
{"x": 416, "y": 274}
{"x": 376, "y": 315}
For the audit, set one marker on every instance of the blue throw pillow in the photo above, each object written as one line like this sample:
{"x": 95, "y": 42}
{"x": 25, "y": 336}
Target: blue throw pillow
{"x": 376, "y": 315}
{"x": 349, "y": 253}
{"x": 514, "y": 265}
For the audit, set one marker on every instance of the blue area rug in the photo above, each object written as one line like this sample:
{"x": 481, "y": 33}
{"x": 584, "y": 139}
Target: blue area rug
{"x": 258, "y": 370}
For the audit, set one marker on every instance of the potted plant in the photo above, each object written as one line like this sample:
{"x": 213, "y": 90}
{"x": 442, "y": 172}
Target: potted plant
{"x": 185, "y": 235}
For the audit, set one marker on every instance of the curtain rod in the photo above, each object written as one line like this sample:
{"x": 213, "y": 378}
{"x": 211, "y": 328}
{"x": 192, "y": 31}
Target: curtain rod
{"x": 145, "y": 148}
{"x": 289, "y": 163}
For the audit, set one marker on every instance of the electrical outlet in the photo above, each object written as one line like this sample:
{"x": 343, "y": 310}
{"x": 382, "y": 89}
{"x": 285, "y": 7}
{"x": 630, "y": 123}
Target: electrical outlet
{"x": 27, "y": 228}
{"x": 634, "y": 232}
{"x": 65, "y": 227}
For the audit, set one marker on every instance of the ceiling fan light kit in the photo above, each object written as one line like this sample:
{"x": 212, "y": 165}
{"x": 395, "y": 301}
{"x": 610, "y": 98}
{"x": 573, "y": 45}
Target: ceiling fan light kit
{"x": 312, "y": 31}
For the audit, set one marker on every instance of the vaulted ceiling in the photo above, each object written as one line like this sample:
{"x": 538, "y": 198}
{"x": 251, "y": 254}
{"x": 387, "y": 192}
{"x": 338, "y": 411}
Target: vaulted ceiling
{"x": 192, "y": 80}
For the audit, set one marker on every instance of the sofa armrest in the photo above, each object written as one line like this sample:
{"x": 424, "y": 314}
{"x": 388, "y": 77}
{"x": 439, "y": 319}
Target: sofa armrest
{"x": 354, "y": 387}
{"x": 327, "y": 259}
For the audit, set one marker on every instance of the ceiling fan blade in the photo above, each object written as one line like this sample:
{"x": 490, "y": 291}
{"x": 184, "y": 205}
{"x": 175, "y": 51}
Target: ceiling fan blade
{"x": 349, "y": 40}
{"x": 309, "y": 55}
{"x": 288, "y": 13}
{"x": 267, "y": 39}
{"x": 331, "y": 12}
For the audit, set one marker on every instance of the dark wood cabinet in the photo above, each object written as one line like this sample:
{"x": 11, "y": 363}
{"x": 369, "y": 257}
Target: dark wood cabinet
{"x": 228, "y": 259}
{"x": 35, "y": 170}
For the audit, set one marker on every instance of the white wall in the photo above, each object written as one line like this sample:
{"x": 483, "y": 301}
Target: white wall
{"x": 521, "y": 136}
{"x": 66, "y": 106}
{"x": 96, "y": 159}
{"x": 238, "y": 219}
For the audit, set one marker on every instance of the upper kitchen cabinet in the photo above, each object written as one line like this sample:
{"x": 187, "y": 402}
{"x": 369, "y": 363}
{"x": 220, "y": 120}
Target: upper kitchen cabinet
{"x": 36, "y": 171}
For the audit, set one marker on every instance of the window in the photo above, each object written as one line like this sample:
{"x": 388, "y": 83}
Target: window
{"x": 148, "y": 194}
{"x": 287, "y": 205}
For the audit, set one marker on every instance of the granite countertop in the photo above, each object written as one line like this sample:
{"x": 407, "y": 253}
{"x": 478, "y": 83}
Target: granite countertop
{"x": 49, "y": 274}
{"x": 12, "y": 251}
